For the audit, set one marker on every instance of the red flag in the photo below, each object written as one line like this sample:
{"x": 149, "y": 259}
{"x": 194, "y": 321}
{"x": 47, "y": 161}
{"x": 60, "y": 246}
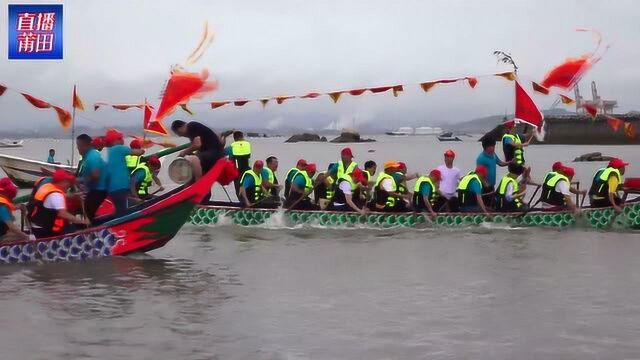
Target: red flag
{"x": 186, "y": 109}
{"x": 472, "y": 81}
{"x": 380, "y": 89}
{"x": 156, "y": 127}
{"x": 181, "y": 87}
{"x": 397, "y": 89}
{"x": 148, "y": 111}
{"x": 614, "y": 123}
{"x": 566, "y": 100}
{"x": 527, "y": 111}
{"x": 509, "y": 75}
{"x": 63, "y": 116}
{"x": 567, "y": 74}
{"x": 591, "y": 109}
{"x": 630, "y": 130}
{"x": 539, "y": 88}
{"x": 217, "y": 104}
{"x": 426, "y": 86}
{"x": 127, "y": 106}
{"x": 77, "y": 102}
{"x": 281, "y": 99}
{"x": 2, "y": 89}
{"x": 240, "y": 102}
{"x": 357, "y": 92}
{"x": 335, "y": 96}
{"x": 40, "y": 104}
{"x": 311, "y": 95}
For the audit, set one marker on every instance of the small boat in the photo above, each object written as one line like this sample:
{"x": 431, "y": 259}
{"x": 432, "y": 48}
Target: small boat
{"x": 600, "y": 218}
{"x": 24, "y": 172}
{"x": 403, "y": 131}
{"x": 11, "y": 143}
{"x": 427, "y": 131}
{"x": 145, "y": 227}
{"x": 448, "y": 136}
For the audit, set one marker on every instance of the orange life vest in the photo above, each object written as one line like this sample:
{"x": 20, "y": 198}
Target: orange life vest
{"x": 43, "y": 217}
{"x": 9, "y": 204}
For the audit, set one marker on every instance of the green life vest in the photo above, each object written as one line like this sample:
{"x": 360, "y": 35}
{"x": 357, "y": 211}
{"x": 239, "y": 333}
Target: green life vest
{"x": 331, "y": 188}
{"x": 132, "y": 161}
{"x": 600, "y": 185}
{"x": 256, "y": 192}
{"x": 381, "y": 193}
{"x": 464, "y": 195}
{"x": 348, "y": 170}
{"x": 402, "y": 185}
{"x": 308, "y": 182}
{"x": 518, "y": 153}
{"x": 240, "y": 148}
{"x": 417, "y": 195}
{"x": 502, "y": 201}
{"x": 339, "y": 197}
{"x": 549, "y": 193}
{"x": 291, "y": 174}
{"x": 143, "y": 187}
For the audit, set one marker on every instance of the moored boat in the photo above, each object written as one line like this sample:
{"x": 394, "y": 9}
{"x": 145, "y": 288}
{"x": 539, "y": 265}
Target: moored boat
{"x": 145, "y": 227}
{"x": 24, "y": 172}
{"x": 5, "y": 143}
{"x": 448, "y": 136}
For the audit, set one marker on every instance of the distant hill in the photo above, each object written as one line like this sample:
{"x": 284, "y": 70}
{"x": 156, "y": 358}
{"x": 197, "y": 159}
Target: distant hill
{"x": 482, "y": 125}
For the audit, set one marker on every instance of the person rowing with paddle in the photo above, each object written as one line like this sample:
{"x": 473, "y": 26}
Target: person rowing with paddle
{"x": 604, "y": 188}
{"x": 301, "y": 165}
{"x": 251, "y": 185}
{"x": 346, "y": 165}
{"x": 269, "y": 178}
{"x": 508, "y": 197}
{"x": 8, "y": 191}
{"x": 347, "y": 194}
{"x": 426, "y": 196}
{"x": 143, "y": 176}
{"x": 386, "y": 197}
{"x": 325, "y": 186}
{"x": 470, "y": 191}
{"x": 556, "y": 191}
{"x": 301, "y": 188}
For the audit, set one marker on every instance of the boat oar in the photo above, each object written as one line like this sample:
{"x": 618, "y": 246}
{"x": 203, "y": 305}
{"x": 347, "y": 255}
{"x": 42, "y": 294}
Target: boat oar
{"x": 225, "y": 191}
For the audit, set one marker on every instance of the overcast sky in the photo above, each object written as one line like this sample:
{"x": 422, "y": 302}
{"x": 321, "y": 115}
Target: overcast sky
{"x": 120, "y": 51}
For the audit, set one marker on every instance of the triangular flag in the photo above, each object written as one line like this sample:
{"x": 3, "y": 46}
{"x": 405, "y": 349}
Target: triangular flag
{"x": 264, "y": 102}
{"x": 311, "y": 95}
{"x": 40, "y": 104}
{"x": 509, "y": 75}
{"x": 281, "y": 99}
{"x": 181, "y": 87}
{"x": 539, "y": 88}
{"x": 77, "y": 102}
{"x": 148, "y": 111}
{"x": 472, "y": 81}
{"x": 527, "y": 111}
{"x": 397, "y": 90}
{"x": 240, "y": 102}
{"x": 186, "y": 109}
{"x": 630, "y": 130}
{"x": 335, "y": 96}
{"x": 380, "y": 89}
{"x": 2, "y": 89}
{"x": 591, "y": 110}
{"x": 63, "y": 116}
{"x": 157, "y": 128}
{"x": 426, "y": 86}
{"x": 217, "y": 104}
{"x": 357, "y": 92}
{"x": 566, "y": 100}
{"x": 614, "y": 123}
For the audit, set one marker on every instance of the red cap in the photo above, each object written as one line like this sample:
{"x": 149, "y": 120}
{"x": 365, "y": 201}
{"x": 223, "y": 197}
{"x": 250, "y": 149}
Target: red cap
{"x": 481, "y": 170}
{"x": 436, "y": 174}
{"x": 62, "y": 175}
{"x": 557, "y": 166}
{"x": 8, "y": 188}
{"x": 358, "y": 176}
{"x": 346, "y": 152}
{"x": 449, "y": 153}
{"x": 154, "y": 161}
{"x": 509, "y": 124}
{"x": 617, "y": 163}
{"x": 135, "y": 144}
{"x": 98, "y": 142}
{"x": 258, "y": 164}
{"x": 302, "y": 162}
{"x": 112, "y": 136}
{"x": 402, "y": 165}
{"x": 568, "y": 171}
{"x": 311, "y": 168}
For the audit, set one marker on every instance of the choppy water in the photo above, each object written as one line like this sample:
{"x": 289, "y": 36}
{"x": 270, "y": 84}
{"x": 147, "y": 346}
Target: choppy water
{"x": 310, "y": 293}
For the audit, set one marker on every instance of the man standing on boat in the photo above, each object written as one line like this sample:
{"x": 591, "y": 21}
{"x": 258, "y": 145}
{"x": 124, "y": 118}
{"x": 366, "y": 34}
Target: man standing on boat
{"x": 49, "y": 215}
{"x": 556, "y": 191}
{"x": 346, "y": 165}
{"x": 513, "y": 145}
{"x": 240, "y": 152}
{"x": 604, "y": 189}
{"x": 8, "y": 191}
{"x": 470, "y": 191}
{"x": 490, "y": 160}
{"x": 450, "y": 179}
{"x": 92, "y": 175}
{"x": 119, "y": 176}
{"x": 301, "y": 189}
{"x": 425, "y": 193}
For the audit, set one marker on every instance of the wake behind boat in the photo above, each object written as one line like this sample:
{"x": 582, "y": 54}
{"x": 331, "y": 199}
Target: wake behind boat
{"x": 24, "y": 172}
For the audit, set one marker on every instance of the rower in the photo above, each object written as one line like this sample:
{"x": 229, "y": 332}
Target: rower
{"x": 325, "y": 186}
{"x": 556, "y": 191}
{"x": 470, "y": 191}
{"x": 513, "y": 145}
{"x": 387, "y": 197}
{"x": 92, "y": 175}
{"x": 49, "y": 215}
{"x": 557, "y": 166}
{"x": 251, "y": 191}
{"x": 118, "y": 184}
{"x": 401, "y": 177}
{"x": 133, "y": 160}
{"x": 8, "y": 191}
{"x": 426, "y": 196}
{"x": 145, "y": 174}
{"x": 370, "y": 168}
{"x": 269, "y": 178}
{"x": 301, "y": 165}
{"x": 301, "y": 189}
{"x": 604, "y": 188}
{"x": 346, "y": 163}
{"x": 240, "y": 152}
{"x": 509, "y": 196}
{"x": 347, "y": 195}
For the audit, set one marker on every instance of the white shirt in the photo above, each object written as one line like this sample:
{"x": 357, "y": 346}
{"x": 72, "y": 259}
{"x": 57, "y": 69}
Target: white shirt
{"x": 508, "y": 194}
{"x": 346, "y": 189}
{"x": 449, "y": 181}
{"x": 54, "y": 201}
{"x": 387, "y": 185}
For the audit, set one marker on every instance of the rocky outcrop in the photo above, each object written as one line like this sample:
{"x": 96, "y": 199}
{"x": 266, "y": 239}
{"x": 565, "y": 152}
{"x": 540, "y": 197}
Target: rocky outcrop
{"x": 350, "y": 136}
{"x": 306, "y": 137}
{"x": 594, "y": 156}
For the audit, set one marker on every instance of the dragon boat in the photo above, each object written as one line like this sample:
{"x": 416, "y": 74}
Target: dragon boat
{"x": 600, "y": 218}
{"x": 145, "y": 227}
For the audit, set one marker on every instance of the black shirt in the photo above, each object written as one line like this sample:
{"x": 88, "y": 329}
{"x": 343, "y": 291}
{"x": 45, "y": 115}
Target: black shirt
{"x": 208, "y": 138}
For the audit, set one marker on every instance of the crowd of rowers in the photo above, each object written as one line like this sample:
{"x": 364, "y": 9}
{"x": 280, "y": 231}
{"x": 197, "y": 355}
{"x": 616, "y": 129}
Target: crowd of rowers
{"x": 109, "y": 168}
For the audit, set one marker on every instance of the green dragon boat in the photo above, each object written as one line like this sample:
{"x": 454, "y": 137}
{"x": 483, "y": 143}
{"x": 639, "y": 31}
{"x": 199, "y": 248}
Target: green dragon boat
{"x": 601, "y": 218}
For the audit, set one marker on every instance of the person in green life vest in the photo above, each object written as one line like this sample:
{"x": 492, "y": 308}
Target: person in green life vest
{"x": 301, "y": 189}
{"x": 604, "y": 188}
{"x": 510, "y": 193}
{"x": 402, "y": 177}
{"x": 426, "y": 196}
{"x": 240, "y": 152}
{"x": 51, "y": 159}
{"x": 386, "y": 195}
{"x": 556, "y": 191}
{"x": 325, "y": 186}
{"x": 301, "y": 165}
{"x": 143, "y": 176}
{"x": 513, "y": 145}
{"x": 8, "y": 228}
{"x": 251, "y": 190}
{"x": 370, "y": 168}
{"x": 470, "y": 191}
{"x": 269, "y": 178}
{"x": 346, "y": 197}
{"x": 346, "y": 165}
{"x": 133, "y": 160}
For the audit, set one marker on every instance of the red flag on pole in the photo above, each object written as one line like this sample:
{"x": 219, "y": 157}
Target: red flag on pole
{"x": 527, "y": 111}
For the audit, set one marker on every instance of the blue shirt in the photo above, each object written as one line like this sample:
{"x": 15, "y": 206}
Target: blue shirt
{"x": 425, "y": 189}
{"x": 91, "y": 162}
{"x": 300, "y": 181}
{"x": 5, "y": 214}
{"x": 138, "y": 175}
{"x": 51, "y": 160}
{"x": 475, "y": 187}
{"x": 249, "y": 182}
{"x": 490, "y": 162}
{"x": 118, "y": 178}
{"x": 227, "y": 151}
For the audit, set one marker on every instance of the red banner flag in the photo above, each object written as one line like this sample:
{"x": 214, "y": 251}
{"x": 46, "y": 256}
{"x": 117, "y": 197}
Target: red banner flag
{"x": 380, "y": 89}
{"x": 397, "y": 90}
{"x": 40, "y": 104}
{"x": 240, "y": 102}
{"x": 426, "y": 86}
{"x": 63, "y": 116}
{"x": 2, "y": 89}
{"x": 527, "y": 111}
{"x": 186, "y": 109}
{"x": 281, "y": 99}
{"x": 566, "y": 74}
{"x": 217, "y": 104}
{"x": 335, "y": 96}
{"x": 357, "y": 92}
{"x": 630, "y": 130}
{"x": 509, "y": 75}
{"x": 591, "y": 110}
{"x": 539, "y": 88}
{"x": 566, "y": 100}
{"x": 472, "y": 81}
{"x": 77, "y": 102}
{"x": 614, "y": 123}
{"x": 264, "y": 102}
{"x": 181, "y": 87}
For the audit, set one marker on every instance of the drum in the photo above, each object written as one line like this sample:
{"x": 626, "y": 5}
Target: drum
{"x": 180, "y": 171}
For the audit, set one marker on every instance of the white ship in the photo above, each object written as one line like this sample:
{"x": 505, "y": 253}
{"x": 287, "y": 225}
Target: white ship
{"x": 419, "y": 131}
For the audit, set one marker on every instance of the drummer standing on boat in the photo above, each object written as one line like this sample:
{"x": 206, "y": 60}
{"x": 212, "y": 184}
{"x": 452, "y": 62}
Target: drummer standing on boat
{"x": 513, "y": 145}
{"x": 240, "y": 152}
{"x": 92, "y": 175}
